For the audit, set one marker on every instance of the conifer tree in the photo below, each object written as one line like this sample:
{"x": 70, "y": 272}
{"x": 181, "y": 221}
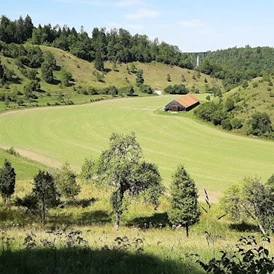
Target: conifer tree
{"x": 7, "y": 181}
{"x": 45, "y": 192}
{"x": 184, "y": 200}
{"x": 98, "y": 63}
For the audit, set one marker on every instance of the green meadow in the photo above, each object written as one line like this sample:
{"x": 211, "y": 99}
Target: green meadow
{"x": 214, "y": 158}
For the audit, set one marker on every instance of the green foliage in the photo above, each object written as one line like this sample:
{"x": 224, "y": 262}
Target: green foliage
{"x": 184, "y": 200}
{"x": 130, "y": 91}
{"x": 66, "y": 77}
{"x": 168, "y": 78}
{"x": 260, "y": 124}
{"x": 47, "y": 73}
{"x": 245, "y": 84}
{"x": 236, "y": 66}
{"x": 251, "y": 200}
{"x": 211, "y": 112}
{"x": 226, "y": 124}
{"x": 236, "y": 123}
{"x": 33, "y": 57}
{"x": 44, "y": 195}
{"x": 49, "y": 59}
{"x": 29, "y": 73}
{"x": 133, "y": 68}
{"x": 88, "y": 169}
{"x": 45, "y": 191}
{"x": 176, "y": 89}
{"x": 229, "y": 104}
{"x": 66, "y": 183}
{"x": 247, "y": 256}
{"x": 98, "y": 62}
{"x": 7, "y": 181}
{"x": 33, "y": 85}
{"x": 145, "y": 89}
{"x": 139, "y": 77}
{"x": 121, "y": 167}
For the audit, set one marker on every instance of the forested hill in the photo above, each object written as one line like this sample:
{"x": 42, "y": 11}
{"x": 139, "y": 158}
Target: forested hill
{"x": 234, "y": 65}
{"x": 114, "y": 45}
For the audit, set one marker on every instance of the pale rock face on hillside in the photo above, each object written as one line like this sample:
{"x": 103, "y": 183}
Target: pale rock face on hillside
{"x": 158, "y": 92}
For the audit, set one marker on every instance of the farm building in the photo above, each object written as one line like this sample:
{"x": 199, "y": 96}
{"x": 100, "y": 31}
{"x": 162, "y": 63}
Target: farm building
{"x": 184, "y": 103}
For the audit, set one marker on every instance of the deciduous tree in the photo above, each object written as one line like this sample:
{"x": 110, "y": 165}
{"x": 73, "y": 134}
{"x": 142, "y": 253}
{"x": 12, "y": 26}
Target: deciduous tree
{"x": 66, "y": 183}
{"x": 252, "y": 200}
{"x": 121, "y": 166}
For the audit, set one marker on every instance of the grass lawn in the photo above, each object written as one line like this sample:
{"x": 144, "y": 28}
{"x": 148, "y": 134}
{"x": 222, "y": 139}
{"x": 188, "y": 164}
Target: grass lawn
{"x": 214, "y": 158}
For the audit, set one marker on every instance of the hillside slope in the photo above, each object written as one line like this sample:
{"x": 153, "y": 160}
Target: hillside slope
{"x": 258, "y": 96}
{"x": 85, "y": 77}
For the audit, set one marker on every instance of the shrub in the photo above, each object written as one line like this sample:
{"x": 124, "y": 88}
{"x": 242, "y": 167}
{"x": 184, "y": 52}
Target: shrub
{"x": 226, "y": 124}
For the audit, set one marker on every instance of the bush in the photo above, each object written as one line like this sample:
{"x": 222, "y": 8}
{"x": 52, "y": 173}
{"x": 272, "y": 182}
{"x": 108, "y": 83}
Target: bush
{"x": 176, "y": 89}
{"x": 247, "y": 256}
{"x": 236, "y": 123}
{"x": 145, "y": 89}
{"x": 226, "y": 124}
{"x": 259, "y": 124}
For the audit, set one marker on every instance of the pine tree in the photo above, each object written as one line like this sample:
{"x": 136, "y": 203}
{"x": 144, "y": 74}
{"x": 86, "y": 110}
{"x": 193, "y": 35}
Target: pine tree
{"x": 98, "y": 63}
{"x": 7, "y": 181}
{"x": 139, "y": 78}
{"x": 45, "y": 191}
{"x": 184, "y": 200}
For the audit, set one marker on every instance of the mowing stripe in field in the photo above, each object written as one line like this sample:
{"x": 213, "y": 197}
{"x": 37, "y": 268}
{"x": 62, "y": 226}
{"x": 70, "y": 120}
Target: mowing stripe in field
{"x": 214, "y": 158}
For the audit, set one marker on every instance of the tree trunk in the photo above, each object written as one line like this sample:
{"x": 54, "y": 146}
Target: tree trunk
{"x": 43, "y": 212}
{"x": 117, "y": 220}
{"x": 187, "y": 231}
{"x": 261, "y": 228}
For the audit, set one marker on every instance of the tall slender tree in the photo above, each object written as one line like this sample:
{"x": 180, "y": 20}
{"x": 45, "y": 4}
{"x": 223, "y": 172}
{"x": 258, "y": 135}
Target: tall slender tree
{"x": 7, "y": 181}
{"x": 184, "y": 200}
{"x": 45, "y": 192}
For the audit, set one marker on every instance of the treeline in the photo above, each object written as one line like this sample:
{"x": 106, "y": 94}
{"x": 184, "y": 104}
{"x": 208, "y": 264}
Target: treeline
{"x": 115, "y": 45}
{"x": 234, "y": 65}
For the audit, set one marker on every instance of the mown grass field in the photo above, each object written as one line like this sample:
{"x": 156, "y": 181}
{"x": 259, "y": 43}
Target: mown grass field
{"x": 214, "y": 158}
{"x": 25, "y": 168}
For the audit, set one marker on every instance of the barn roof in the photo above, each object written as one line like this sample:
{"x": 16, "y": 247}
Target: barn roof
{"x": 187, "y": 100}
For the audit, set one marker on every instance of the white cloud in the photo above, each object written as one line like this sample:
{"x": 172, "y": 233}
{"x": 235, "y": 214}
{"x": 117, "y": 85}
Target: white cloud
{"x": 143, "y": 13}
{"x": 127, "y": 3}
{"x": 194, "y": 23}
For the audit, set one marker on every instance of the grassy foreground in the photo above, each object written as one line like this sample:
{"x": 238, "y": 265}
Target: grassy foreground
{"x": 214, "y": 158}
{"x": 81, "y": 239}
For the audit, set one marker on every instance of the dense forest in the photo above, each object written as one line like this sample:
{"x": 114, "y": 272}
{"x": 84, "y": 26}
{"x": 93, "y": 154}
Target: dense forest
{"x": 114, "y": 45}
{"x": 235, "y": 65}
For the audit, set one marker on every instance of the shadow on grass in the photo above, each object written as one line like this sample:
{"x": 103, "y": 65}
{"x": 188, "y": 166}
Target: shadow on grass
{"x": 157, "y": 220}
{"x": 10, "y": 217}
{"x": 244, "y": 227}
{"x": 85, "y": 218}
{"x": 55, "y": 82}
{"x": 86, "y": 261}
{"x": 80, "y": 203}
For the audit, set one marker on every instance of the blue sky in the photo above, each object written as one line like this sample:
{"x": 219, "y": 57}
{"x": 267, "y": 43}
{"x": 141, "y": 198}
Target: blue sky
{"x": 199, "y": 25}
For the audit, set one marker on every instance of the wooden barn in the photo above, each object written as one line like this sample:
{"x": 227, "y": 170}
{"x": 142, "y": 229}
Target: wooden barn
{"x": 184, "y": 103}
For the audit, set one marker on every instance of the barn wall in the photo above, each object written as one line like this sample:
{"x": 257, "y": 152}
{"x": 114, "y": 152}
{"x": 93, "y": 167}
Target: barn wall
{"x": 174, "y": 106}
